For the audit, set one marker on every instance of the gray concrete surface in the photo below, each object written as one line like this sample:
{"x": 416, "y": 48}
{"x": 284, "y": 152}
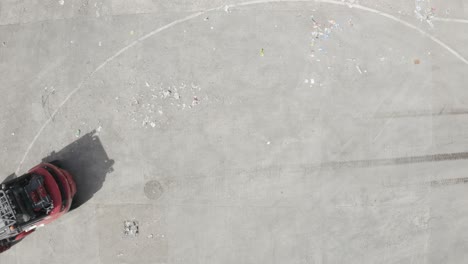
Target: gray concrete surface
{"x": 275, "y": 144}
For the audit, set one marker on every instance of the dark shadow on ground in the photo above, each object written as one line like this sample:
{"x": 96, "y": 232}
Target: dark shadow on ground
{"x": 88, "y": 163}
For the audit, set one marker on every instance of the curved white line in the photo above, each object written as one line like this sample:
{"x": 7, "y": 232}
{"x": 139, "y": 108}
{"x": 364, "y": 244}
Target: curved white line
{"x": 176, "y": 22}
{"x": 446, "y": 19}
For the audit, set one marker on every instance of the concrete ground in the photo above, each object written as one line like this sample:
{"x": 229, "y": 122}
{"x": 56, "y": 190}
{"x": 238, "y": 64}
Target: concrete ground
{"x": 242, "y": 132}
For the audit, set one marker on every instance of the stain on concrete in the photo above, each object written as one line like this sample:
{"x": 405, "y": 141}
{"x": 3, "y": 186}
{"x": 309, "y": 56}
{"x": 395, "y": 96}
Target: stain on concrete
{"x": 396, "y": 161}
{"x": 422, "y": 113}
{"x": 153, "y": 190}
{"x": 445, "y": 182}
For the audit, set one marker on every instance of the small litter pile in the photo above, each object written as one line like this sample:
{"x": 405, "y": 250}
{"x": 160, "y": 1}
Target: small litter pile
{"x": 424, "y": 12}
{"x": 131, "y": 228}
{"x": 153, "y": 101}
{"x": 321, "y": 31}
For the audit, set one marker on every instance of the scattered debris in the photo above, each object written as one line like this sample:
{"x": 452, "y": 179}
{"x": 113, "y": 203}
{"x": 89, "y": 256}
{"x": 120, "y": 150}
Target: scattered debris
{"x": 167, "y": 93}
{"x": 321, "y": 31}
{"x": 61, "y": 2}
{"x": 13, "y": 133}
{"x": 262, "y": 52}
{"x": 146, "y": 121}
{"x": 131, "y": 228}
{"x": 268, "y": 142}
{"x": 154, "y": 101}
{"x": 78, "y": 133}
{"x": 206, "y": 18}
{"x": 227, "y": 9}
{"x": 150, "y": 236}
{"x": 195, "y": 101}
{"x": 212, "y": 28}
{"x": 424, "y": 12}
{"x": 359, "y": 69}
{"x": 351, "y": 3}
{"x": 310, "y": 81}
{"x": 100, "y": 44}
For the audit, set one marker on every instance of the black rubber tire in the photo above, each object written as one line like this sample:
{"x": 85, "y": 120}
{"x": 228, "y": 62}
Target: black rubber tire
{"x": 14, "y": 242}
{"x": 4, "y": 248}
{"x": 6, "y": 244}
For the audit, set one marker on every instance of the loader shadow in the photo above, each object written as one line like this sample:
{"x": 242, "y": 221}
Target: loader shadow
{"x": 88, "y": 163}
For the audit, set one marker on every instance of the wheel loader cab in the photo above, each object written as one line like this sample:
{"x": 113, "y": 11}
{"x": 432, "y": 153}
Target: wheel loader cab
{"x": 30, "y": 199}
